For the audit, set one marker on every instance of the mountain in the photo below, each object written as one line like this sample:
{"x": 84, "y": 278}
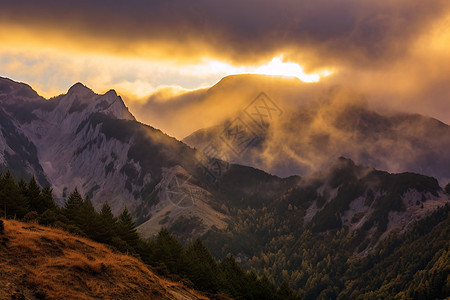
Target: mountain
{"x": 294, "y": 129}
{"x": 43, "y": 263}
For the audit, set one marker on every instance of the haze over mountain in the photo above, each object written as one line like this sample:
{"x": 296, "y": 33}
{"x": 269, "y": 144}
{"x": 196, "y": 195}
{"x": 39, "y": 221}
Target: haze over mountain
{"x": 310, "y": 127}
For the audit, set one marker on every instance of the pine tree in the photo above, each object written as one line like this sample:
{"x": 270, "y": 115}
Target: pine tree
{"x": 108, "y": 223}
{"x": 23, "y": 187}
{"x": 73, "y": 207}
{"x": 202, "y": 268}
{"x": 234, "y": 276}
{"x": 32, "y": 195}
{"x": 127, "y": 229}
{"x": 284, "y": 292}
{"x": 265, "y": 289}
{"x": 170, "y": 252}
{"x": 46, "y": 200}
{"x": 13, "y": 202}
{"x": 89, "y": 220}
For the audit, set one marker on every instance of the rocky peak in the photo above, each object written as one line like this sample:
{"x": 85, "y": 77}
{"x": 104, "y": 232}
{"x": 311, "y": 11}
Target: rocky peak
{"x": 80, "y": 89}
{"x": 81, "y": 102}
{"x": 16, "y": 92}
{"x": 112, "y": 104}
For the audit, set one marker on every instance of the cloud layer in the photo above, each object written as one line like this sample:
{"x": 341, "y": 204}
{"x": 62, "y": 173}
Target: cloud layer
{"x": 320, "y": 32}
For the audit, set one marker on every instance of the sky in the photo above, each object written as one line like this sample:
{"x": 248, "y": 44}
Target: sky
{"x": 395, "y": 52}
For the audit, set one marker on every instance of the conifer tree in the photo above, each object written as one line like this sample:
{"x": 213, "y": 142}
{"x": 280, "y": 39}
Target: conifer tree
{"x": 89, "y": 220}
{"x": 170, "y": 252}
{"x": 13, "y": 203}
{"x": 285, "y": 292}
{"x": 32, "y": 195}
{"x": 234, "y": 276}
{"x": 108, "y": 224}
{"x": 46, "y": 200}
{"x": 73, "y": 207}
{"x": 22, "y": 186}
{"x": 203, "y": 269}
{"x": 127, "y": 230}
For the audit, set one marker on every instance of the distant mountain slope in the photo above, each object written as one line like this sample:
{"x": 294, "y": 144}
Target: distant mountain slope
{"x": 335, "y": 227}
{"x": 17, "y": 152}
{"x": 182, "y": 114}
{"x": 42, "y": 263}
{"x": 318, "y": 124}
{"x": 344, "y": 195}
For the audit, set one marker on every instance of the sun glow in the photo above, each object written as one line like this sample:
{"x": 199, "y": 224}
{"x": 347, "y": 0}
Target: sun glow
{"x": 279, "y": 68}
{"x": 276, "y": 67}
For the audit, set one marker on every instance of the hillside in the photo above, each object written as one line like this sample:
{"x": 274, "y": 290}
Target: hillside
{"x": 44, "y": 263}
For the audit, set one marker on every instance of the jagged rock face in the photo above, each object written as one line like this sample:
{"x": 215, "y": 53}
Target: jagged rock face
{"x": 67, "y": 153}
{"x": 65, "y": 139}
{"x": 73, "y": 156}
{"x": 17, "y": 152}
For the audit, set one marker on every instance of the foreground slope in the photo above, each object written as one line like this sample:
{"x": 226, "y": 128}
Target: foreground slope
{"x": 42, "y": 263}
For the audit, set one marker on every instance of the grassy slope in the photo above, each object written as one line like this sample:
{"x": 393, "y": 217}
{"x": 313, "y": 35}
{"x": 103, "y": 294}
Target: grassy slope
{"x": 37, "y": 262}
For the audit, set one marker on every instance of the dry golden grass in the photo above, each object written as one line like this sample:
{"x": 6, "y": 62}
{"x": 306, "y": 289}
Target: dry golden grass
{"x": 37, "y": 262}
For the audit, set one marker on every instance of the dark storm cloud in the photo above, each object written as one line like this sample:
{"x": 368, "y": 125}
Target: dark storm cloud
{"x": 323, "y": 32}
